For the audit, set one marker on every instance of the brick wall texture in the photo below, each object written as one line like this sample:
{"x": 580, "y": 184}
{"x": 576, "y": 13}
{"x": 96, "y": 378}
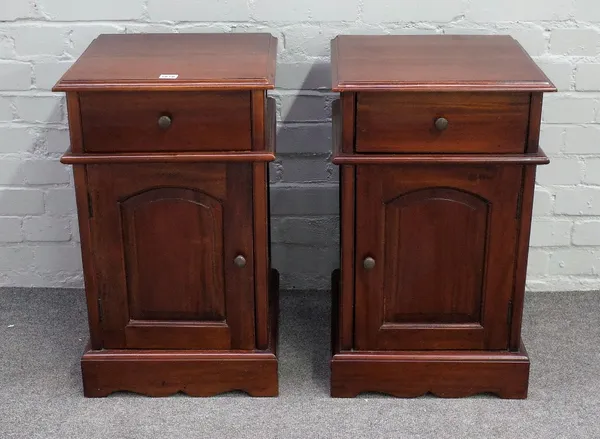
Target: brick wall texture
{"x": 40, "y": 39}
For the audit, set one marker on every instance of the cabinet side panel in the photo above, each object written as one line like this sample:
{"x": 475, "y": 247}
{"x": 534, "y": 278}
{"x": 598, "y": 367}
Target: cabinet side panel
{"x": 347, "y": 223}
{"x": 258, "y": 110}
{"x": 89, "y": 276}
{"x": 522, "y": 256}
{"x": 348, "y": 106}
{"x": 261, "y": 256}
{"x": 75, "y": 130}
{"x": 535, "y": 119}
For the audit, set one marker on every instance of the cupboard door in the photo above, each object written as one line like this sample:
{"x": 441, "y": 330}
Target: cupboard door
{"x": 174, "y": 256}
{"x": 435, "y": 247}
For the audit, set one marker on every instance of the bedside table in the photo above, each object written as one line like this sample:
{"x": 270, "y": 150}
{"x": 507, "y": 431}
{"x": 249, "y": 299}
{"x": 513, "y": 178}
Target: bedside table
{"x": 170, "y": 139}
{"x": 437, "y": 140}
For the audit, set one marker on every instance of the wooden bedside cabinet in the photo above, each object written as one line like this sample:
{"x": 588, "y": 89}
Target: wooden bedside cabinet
{"x": 170, "y": 139}
{"x": 437, "y": 140}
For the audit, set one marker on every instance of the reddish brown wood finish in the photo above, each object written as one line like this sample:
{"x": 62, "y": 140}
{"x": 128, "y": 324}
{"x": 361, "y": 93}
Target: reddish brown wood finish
{"x": 259, "y": 125}
{"x": 348, "y": 110}
{"x": 444, "y": 239}
{"x": 434, "y": 63}
{"x": 261, "y": 234}
{"x": 347, "y": 257}
{"x": 89, "y": 270}
{"x": 436, "y": 223}
{"x": 200, "y": 61}
{"x": 164, "y": 373}
{"x": 201, "y": 121}
{"x": 174, "y": 223}
{"x": 75, "y": 129}
{"x": 70, "y": 158}
{"x": 412, "y": 373}
{"x": 195, "y": 373}
{"x": 537, "y": 158}
{"x": 477, "y": 122}
{"x": 522, "y": 254}
{"x": 166, "y": 237}
{"x": 535, "y": 120}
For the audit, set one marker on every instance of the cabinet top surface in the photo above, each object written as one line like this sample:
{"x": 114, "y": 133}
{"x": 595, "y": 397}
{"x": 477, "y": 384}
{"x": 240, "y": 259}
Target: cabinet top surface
{"x": 174, "y": 61}
{"x": 434, "y": 63}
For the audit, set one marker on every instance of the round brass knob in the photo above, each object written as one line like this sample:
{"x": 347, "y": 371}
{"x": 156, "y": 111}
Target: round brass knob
{"x": 164, "y": 122}
{"x": 441, "y": 123}
{"x": 240, "y": 261}
{"x": 369, "y": 263}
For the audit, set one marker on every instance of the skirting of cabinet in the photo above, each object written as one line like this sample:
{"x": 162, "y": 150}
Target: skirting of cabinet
{"x": 195, "y": 373}
{"x": 445, "y": 374}
{"x": 408, "y": 374}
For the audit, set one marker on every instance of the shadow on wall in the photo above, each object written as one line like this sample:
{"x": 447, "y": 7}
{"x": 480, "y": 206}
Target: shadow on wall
{"x": 304, "y": 182}
{"x": 38, "y": 228}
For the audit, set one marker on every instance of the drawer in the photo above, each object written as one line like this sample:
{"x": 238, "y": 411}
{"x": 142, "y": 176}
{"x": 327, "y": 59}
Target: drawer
{"x": 414, "y": 122}
{"x": 191, "y": 121}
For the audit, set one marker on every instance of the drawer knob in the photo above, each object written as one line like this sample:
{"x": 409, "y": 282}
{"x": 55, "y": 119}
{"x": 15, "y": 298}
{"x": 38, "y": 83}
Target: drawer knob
{"x": 164, "y": 122}
{"x": 369, "y": 263}
{"x": 441, "y": 123}
{"x": 240, "y": 261}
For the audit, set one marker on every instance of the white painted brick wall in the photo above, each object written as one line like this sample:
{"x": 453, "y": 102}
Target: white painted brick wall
{"x": 575, "y": 41}
{"x": 587, "y": 77}
{"x": 39, "y": 39}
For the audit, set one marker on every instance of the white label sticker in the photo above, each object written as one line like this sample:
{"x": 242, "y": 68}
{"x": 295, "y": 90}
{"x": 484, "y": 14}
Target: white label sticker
{"x": 165, "y": 76}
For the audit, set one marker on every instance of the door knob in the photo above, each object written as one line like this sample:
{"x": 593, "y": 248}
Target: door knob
{"x": 441, "y": 123}
{"x": 164, "y": 122}
{"x": 369, "y": 263}
{"x": 240, "y": 261}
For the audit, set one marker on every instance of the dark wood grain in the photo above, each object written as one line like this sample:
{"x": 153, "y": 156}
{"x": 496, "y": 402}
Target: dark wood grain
{"x": 75, "y": 129}
{"x": 343, "y": 158}
{"x": 167, "y": 157}
{"x": 261, "y": 237}
{"x": 447, "y": 374}
{"x": 201, "y": 121}
{"x": 522, "y": 255}
{"x": 165, "y": 373}
{"x": 273, "y": 322}
{"x": 336, "y": 312}
{"x": 444, "y": 215}
{"x": 162, "y": 253}
{"x": 348, "y": 124}
{"x": 259, "y": 114}
{"x": 535, "y": 120}
{"x": 434, "y": 236}
{"x": 193, "y": 372}
{"x": 239, "y": 240}
{"x": 201, "y": 61}
{"x": 345, "y": 310}
{"x": 195, "y": 224}
{"x": 89, "y": 270}
{"x": 478, "y": 122}
{"x": 434, "y": 63}
{"x": 159, "y": 334}
{"x": 538, "y": 158}
{"x": 174, "y": 219}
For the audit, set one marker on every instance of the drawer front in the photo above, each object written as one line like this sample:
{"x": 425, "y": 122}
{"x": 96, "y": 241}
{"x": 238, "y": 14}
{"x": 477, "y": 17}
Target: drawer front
{"x": 166, "y": 121}
{"x": 415, "y": 122}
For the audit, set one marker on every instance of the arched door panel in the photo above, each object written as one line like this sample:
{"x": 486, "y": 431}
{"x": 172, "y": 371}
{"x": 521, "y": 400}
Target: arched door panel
{"x": 434, "y": 256}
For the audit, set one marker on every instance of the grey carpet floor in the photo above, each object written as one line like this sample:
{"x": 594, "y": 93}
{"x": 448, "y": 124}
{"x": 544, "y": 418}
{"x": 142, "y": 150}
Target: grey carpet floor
{"x": 42, "y": 334}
